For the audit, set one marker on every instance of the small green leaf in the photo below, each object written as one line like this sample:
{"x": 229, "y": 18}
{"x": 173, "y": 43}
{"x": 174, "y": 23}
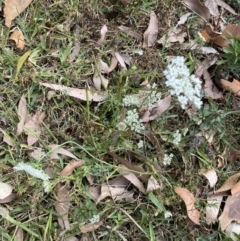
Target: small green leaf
{"x": 155, "y": 201}
{"x": 21, "y": 61}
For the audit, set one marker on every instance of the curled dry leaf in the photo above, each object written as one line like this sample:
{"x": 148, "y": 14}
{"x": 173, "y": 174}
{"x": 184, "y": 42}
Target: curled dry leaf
{"x": 131, "y": 33}
{"x": 13, "y": 8}
{"x": 183, "y": 19}
{"x": 152, "y": 185}
{"x": 212, "y": 7}
{"x": 68, "y": 169}
{"x": 150, "y": 35}
{"x": 117, "y": 193}
{"x": 56, "y": 149}
{"x": 33, "y": 128}
{"x": 131, "y": 177}
{"x": 62, "y": 205}
{"x": 103, "y": 34}
{"x": 19, "y": 39}
{"x": 235, "y": 189}
{"x": 158, "y": 109}
{"x": 233, "y": 86}
{"x": 231, "y": 211}
{"x": 9, "y": 198}
{"x": 212, "y": 209}
{"x": 189, "y": 201}
{"x": 91, "y": 227}
{"x": 22, "y": 113}
{"x": 198, "y": 8}
{"x": 81, "y": 94}
{"x": 174, "y": 35}
{"x": 211, "y": 175}
{"x": 229, "y": 183}
{"x": 98, "y": 78}
{"x": 120, "y": 60}
{"x": 5, "y": 190}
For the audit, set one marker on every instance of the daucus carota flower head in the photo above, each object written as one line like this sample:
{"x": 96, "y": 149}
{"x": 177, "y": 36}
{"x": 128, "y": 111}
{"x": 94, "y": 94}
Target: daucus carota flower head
{"x": 133, "y": 121}
{"x": 167, "y": 159}
{"x": 186, "y": 87}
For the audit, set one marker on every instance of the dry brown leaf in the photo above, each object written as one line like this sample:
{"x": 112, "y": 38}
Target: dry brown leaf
{"x": 19, "y": 234}
{"x": 235, "y": 189}
{"x": 211, "y": 175}
{"x": 94, "y": 192}
{"x": 117, "y": 193}
{"x": 5, "y": 190}
{"x": 131, "y": 33}
{"x": 7, "y": 139}
{"x": 131, "y": 177}
{"x": 231, "y": 211}
{"x": 103, "y": 34}
{"x": 98, "y": 78}
{"x": 90, "y": 227}
{"x": 189, "y": 201}
{"x": 213, "y": 7}
{"x": 158, "y": 109}
{"x": 56, "y": 149}
{"x": 33, "y": 128}
{"x": 81, "y": 94}
{"x": 198, "y": 8}
{"x": 19, "y": 39}
{"x": 13, "y": 8}
{"x": 120, "y": 60}
{"x": 183, "y": 18}
{"x": 140, "y": 171}
{"x": 174, "y": 35}
{"x": 152, "y": 185}
{"x": 226, "y": 6}
{"x": 233, "y": 86}
{"x": 22, "y": 113}
{"x": 113, "y": 64}
{"x": 62, "y": 205}
{"x": 68, "y": 169}
{"x": 212, "y": 209}
{"x": 229, "y": 183}
{"x": 50, "y": 94}
{"x": 150, "y": 35}
{"x": 9, "y": 198}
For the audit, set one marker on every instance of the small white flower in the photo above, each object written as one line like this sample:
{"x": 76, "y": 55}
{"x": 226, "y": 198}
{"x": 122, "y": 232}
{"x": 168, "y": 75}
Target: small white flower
{"x": 167, "y": 159}
{"x": 32, "y": 171}
{"x": 140, "y": 144}
{"x": 167, "y": 214}
{"x": 177, "y": 137}
{"x": 121, "y": 126}
{"x": 133, "y": 121}
{"x": 94, "y": 219}
{"x": 186, "y": 87}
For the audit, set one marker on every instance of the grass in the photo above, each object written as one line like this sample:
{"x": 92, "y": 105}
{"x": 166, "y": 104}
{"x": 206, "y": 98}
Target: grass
{"x": 89, "y": 129}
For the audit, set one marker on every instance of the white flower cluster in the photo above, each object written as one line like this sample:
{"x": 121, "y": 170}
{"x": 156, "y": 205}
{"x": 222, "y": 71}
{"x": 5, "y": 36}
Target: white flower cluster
{"x": 140, "y": 144}
{"x": 94, "y": 219}
{"x": 132, "y": 119}
{"x": 186, "y": 87}
{"x": 35, "y": 173}
{"x": 167, "y": 159}
{"x": 144, "y": 98}
{"x": 177, "y": 137}
{"x": 121, "y": 126}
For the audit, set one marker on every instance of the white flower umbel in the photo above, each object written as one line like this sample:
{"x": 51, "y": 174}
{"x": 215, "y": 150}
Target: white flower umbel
{"x": 143, "y": 99}
{"x": 32, "y": 171}
{"x": 133, "y": 121}
{"x": 177, "y": 137}
{"x": 140, "y": 144}
{"x": 94, "y": 219}
{"x": 186, "y": 87}
{"x": 167, "y": 159}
